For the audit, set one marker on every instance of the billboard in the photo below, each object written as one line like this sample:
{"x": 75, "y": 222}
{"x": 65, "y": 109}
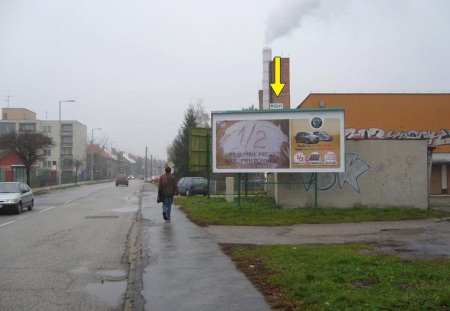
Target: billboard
{"x": 199, "y": 151}
{"x": 290, "y": 140}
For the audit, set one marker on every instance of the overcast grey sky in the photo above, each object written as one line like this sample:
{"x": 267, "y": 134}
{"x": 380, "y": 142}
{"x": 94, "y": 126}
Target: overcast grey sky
{"x": 133, "y": 66}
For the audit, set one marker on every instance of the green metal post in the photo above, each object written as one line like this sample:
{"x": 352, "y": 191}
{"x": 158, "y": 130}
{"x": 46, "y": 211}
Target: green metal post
{"x": 208, "y": 165}
{"x": 239, "y": 189}
{"x": 315, "y": 189}
{"x": 246, "y": 184}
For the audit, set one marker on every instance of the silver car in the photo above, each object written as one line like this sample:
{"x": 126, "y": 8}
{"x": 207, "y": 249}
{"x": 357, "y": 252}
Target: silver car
{"x": 306, "y": 137}
{"x": 14, "y": 196}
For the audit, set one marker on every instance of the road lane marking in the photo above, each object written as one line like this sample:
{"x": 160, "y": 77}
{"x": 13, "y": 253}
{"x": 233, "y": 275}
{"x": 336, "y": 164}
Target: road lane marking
{"x": 68, "y": 202}
{"x": 44, "y": 210}
{"x": 7, "y": 223}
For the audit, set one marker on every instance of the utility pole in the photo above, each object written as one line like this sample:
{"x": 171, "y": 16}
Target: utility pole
{"x": 145, "y": 171}
{"x": 7, "y": 97}
{"x": 151, "y": 165}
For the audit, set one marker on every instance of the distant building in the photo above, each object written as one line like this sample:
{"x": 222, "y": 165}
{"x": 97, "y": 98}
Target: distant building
{"x": 397, "y": 116}
{"x": 71, "y": 138}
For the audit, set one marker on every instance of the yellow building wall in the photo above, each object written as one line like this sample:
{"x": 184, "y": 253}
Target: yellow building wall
{"x": 392, "y": 116}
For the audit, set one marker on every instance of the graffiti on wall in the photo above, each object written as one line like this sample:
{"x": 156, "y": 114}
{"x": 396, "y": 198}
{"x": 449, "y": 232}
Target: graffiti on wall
{"x": 434, "y": 137}
{"x": 355, "y": 167}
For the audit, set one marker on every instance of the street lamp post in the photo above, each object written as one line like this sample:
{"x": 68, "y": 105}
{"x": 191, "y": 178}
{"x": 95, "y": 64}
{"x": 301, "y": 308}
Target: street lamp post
{"x": 151, "y": 165}
{"x": 60, "y": 139}
{"x": 92, "y": 154}
{"x": 112, "y": 160}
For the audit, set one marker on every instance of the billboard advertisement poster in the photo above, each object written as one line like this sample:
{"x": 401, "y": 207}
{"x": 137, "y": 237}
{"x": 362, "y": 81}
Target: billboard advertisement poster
{"x": 291, "y": 140}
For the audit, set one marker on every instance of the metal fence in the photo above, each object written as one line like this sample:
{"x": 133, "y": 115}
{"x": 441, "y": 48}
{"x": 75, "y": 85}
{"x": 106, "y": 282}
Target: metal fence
{"x": 218, "y": 186}
{"x": 39, "y": 177}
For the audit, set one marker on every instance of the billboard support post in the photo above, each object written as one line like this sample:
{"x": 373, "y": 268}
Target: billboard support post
{"x": 278, "y": 141}
{"x": 246, "y": 184}
{"x": 208, "y": 164}
{"x": 315, "y": 190}
{"x": 239, "y": 189}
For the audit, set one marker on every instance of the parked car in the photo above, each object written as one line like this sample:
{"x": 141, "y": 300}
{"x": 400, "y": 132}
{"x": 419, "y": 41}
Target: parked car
{"x": 14, "y": 196}
{"x": 323, "y": 135}
{"x": 193, "y": 185}
{"x": 122, "y": 179}
{"x": 306, "y": 137}
{"x": 154, "y": 179}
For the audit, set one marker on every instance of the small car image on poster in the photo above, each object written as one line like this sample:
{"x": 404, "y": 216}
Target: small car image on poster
{"x": 315, "y": 142}
{"x": 252, "y": 144}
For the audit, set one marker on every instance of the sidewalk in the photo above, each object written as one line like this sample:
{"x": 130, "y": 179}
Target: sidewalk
{"x": 185, "y": 268}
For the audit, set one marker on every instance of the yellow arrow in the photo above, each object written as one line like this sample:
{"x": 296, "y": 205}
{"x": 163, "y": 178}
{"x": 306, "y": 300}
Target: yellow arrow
{"x": 277, "y": 87}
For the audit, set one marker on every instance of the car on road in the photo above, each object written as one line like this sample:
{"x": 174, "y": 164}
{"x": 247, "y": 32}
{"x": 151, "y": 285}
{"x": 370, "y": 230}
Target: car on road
{"x": 306, "y": 137}
{"x": 154, "y": 179}
{"x": 122, "y": 179}
{"x": 14, "y": 196}
{"x": 323, "y": 135}
{"x": 193, "y": 185}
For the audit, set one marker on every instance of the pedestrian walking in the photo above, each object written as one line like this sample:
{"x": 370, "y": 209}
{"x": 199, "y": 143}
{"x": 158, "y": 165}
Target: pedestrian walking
{"x": 167, "y": 188}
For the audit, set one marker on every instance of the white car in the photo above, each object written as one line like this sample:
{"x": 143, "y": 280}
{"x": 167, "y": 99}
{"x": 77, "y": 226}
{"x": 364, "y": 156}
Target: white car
{"x": 14, "y": 196}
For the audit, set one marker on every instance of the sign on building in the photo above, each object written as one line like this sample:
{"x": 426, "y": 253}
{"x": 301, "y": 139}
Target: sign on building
{"x": 276, "y": 106}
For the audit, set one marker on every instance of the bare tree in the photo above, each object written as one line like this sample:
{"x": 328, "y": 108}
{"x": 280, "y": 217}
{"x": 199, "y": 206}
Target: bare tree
{"x": 201, "y": 116}
{"x": 28, "y": 147}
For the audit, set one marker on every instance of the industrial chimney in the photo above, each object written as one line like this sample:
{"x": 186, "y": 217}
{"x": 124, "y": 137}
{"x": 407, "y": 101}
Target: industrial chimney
{"x": 266, "y": 95}
{"x": 267, "y": 60}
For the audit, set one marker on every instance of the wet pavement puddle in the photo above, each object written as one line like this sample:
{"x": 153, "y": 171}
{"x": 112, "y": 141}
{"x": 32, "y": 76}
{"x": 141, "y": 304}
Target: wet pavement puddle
{"x": 110, "y": 294}
{"x": 113, "y": 273}
{"x": 125, "y": 209}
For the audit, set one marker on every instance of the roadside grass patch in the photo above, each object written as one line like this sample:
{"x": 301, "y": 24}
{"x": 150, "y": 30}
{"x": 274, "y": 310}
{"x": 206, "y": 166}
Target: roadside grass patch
{"x": 342, "y": 277}
{"x": 262, "y": 211}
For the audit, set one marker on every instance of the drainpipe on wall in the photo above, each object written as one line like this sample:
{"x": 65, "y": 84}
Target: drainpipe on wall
{"x": 444, "y": 178}
{"x": 429, "y": 166}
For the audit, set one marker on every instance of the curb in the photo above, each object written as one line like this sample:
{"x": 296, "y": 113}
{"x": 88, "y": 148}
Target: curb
{"x": 133, "y": 299}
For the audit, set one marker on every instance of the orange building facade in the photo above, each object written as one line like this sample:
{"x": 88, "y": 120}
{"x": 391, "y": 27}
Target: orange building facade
{"x": 397, "y": 117}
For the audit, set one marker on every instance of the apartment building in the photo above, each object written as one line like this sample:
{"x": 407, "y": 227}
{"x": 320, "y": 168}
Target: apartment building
{"x": 69, "y": 138}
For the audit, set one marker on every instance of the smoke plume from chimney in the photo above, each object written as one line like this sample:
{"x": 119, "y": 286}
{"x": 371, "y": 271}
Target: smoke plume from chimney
{"x": 287, "y": 17}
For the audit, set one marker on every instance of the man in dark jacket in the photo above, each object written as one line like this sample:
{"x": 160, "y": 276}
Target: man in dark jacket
{"x": 168, "y": 188}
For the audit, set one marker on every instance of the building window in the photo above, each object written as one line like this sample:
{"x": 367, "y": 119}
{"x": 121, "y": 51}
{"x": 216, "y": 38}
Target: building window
{"x": 46, "y": 129}
{"x": 67, "y": 162}
{"x": 67, "y": 128}
{"x": 66, "y": 151}
{"x": 66, "y": 141}
{"x": 27, "y": 127}
{"x": 47, "y": 152}
{"x": 7, "y": 127}
{"x": 47, "y": 164}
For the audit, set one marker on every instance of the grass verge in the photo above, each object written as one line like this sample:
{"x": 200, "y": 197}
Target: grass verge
{"x": 327, "y": 277}
{"x": 262, "y": 211}
{"x": 342, "y": 277}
